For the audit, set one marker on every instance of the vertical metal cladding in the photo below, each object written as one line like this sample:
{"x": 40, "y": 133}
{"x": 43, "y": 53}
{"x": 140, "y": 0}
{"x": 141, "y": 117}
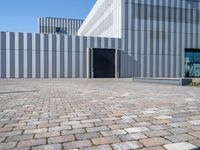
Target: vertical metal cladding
{"x": 155, "y": 34}
{"x": 30, "y": 55}
{"x": 59, "y": 25}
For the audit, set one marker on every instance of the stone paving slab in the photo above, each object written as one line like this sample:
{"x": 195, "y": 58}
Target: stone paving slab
{"x": 97, "y": 114}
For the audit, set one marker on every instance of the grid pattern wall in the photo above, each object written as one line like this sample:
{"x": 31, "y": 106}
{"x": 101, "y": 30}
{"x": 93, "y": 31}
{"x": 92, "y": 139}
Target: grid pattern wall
{"x": 28, "y": 55}
{"x": 155, "y": 34}
{"x": 59, "y": 25}
{"x": 104, "y": 20}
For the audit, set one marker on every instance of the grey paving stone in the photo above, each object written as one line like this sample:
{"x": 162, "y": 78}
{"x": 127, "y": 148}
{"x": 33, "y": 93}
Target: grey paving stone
{"x": 113, "y": 132}
{"x": 61, "y": 139}
{"x": 180, "y": 138}
{"x": 77, "y": 144}
{"x": 33, "y": 142}
{"x": 127, "y": 145}
{"x": 19, "y": 138}
{"x": 86, "y": 136}
{"x": 180, "y": 146}
{"x": 100, "y": 147}
{"x": 157, "y": 133}
{"x": 48, "y": 147}
{"x": 131, "y": 137}
{"x": 96, "y": 129}
{"x": 136, "y": 129}
{"x": 8, "y": 145}
{"x": 103, "y": 112}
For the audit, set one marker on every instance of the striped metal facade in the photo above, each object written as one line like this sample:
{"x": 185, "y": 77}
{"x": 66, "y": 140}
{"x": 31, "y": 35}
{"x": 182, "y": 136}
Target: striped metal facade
{"x": 66, "y": 26}
{"x": 155, "y": 34}
{"x": 28, "y": 55}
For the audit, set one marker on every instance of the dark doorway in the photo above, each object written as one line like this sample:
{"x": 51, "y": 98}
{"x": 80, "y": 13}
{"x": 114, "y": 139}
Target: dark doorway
{"x": 104, "y": 63}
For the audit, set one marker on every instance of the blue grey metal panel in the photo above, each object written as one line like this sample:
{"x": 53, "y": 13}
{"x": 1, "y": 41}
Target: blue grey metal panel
{"x": 3, "y": 55}
{"x": 29, "y": 55}
{"x": 70, "y": 57}
{"x": 46, "y": 56}
{"x": 21, "y": 55}
{"x": 12, "y": 55}
{"x": 37, "y": 40}
{"x": 62, "y": 69}
{"x": 54, "y": 60}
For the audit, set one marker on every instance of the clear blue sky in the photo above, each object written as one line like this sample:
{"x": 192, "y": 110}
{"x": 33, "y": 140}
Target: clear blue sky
{"x": 21, "y": 15}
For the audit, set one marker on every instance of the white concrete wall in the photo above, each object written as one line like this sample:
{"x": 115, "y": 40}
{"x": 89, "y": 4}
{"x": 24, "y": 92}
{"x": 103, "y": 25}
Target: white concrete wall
{"x": 104, "y": 20}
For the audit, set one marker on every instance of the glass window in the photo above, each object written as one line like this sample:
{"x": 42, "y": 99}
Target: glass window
{"x": 192, "y": 63}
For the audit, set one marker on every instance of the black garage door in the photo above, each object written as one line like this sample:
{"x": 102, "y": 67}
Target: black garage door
{"x": 104, "y": 63}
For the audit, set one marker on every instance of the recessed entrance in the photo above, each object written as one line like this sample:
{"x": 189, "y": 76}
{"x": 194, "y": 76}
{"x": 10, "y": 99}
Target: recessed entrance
{"x": 103, "y": 63}
{"x": 192, "y": 63}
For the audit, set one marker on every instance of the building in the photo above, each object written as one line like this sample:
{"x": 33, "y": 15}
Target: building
{"x": 119, "y": 38}
{"x": 59, "y": 25}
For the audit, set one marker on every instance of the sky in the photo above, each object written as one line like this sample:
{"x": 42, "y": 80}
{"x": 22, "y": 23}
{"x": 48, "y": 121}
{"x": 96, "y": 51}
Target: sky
{"x": 22, "y": 15}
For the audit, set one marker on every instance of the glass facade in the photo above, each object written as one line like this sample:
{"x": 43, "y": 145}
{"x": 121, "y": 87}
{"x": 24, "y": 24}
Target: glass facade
{"x": 192, "y": 63}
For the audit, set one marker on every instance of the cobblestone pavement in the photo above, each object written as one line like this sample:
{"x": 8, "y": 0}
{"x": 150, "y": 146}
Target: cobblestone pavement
{"x": 99, "y": 114}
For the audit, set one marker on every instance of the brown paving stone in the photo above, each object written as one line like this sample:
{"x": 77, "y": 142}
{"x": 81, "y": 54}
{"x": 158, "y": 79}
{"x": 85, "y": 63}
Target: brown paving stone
{"x": 158, "y": 122}
{"x": 5, "y": 129}
{"x": 156, "y": 141}
{"x": 195, "y": 142}
{"x": 119, "y": 126}
{"x": 195, "y": 134}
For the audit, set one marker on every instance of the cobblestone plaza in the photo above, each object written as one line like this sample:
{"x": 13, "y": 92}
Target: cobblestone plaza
{"x": 97, "y": 114}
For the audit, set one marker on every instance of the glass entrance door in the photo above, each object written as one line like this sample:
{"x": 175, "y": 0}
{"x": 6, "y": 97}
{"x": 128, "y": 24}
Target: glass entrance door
{"x": 192, "y": 63}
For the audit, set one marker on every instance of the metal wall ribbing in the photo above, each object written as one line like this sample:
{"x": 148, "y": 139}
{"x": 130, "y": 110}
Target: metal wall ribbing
{"x": 28, "y": 55}
{"x": 155, "y": 34}
{"x": 67, "y": 26}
